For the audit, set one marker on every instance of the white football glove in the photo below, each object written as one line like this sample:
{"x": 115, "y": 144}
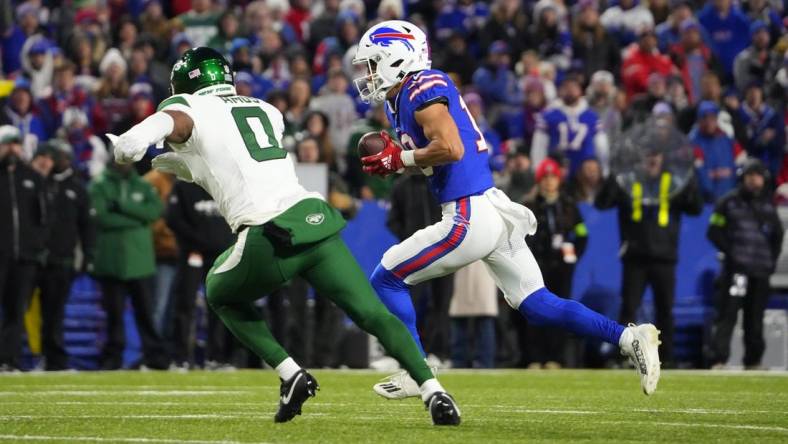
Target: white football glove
{"x": 131, "y": 145}
{"x": 127, "y": 148}
{"x": 174, "y": 164}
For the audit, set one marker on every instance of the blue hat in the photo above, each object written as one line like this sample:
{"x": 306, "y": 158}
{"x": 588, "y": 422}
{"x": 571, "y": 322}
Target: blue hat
{"x": 688, "y": 24}
{"x": 40, "y": 46}
{"x": 238, "y": 43}
{"x": 244, "y": 77}
{"x": 707, "y": 107}
{"x": 21, "y": 83}
{"x": 757, "y": 26}
{"x": 499, "y": 47}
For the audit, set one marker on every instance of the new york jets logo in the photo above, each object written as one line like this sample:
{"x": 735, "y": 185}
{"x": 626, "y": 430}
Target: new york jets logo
{"x": 315, "y": 218}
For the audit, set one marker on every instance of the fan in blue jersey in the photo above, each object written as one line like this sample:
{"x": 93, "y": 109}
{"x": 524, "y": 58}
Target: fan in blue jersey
{"x": 568, "y": 127}
{"x": 439, "y": 137}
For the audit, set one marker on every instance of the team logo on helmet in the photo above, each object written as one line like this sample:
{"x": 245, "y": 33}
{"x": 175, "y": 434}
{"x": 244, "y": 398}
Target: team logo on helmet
{"x": 386, "y": 36}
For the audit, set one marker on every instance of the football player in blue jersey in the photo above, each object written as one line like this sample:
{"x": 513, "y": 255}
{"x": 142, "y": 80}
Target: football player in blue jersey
{"x": 568, "y": 127}
{"x": 439, "y": 137}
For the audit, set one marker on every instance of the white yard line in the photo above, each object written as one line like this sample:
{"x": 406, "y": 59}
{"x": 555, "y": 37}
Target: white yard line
{"x": 126, "y": 392}
{"x": 13, "y": 438}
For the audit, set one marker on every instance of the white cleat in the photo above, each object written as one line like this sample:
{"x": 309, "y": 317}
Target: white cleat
{"x": 397, "y": 386}
{"x": 641, "y": 344}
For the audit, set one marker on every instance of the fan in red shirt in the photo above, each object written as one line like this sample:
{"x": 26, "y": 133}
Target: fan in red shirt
{"x": 641, "y": 59}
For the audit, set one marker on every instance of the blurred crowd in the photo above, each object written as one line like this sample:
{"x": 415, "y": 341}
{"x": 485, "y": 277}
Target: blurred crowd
{"x": 554, "y": 87}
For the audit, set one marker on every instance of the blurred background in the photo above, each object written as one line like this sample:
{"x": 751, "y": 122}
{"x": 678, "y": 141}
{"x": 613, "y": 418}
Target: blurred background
{"x": 649, "y": 137}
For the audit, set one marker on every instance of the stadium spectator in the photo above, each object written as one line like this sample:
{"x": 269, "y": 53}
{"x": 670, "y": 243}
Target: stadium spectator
{"x": 553, "y": 43}
{"x": 753, "y": 64}
{"x": 112, "y": 90}
{"x": 461, "y": 18}
{"x": 18, "y": 112}
{"x": 72, "y": 226}
{"x": 557, "y": 246}
{"x": 748, "y": 232}
{"x": 521, "y": 124}
{"x": 298, "y": 17}
{"x": 728, "y": 31}
{"x": 65, "y": 93}
{"x": 692, "y": 58}
{"x": 584, "y": 187}
{"x": 414, "y": 207}
{"x": 495, "y": 81}
{"x": 124, "y": 206}
{"x": 764, "y": 126}
{"x": 202, "y": 235}
{"x": 606, "y": 100}
{"x": 145, "y": 69}
{"x": 568, "y": 128}
{"x": 165, "y": 248}
{"x": 641, "y": 105}
{"x": 492, "y": 141}
{"x": 711, "y": 91}
{"x": 508, "y": 23}
{"x": 23, "y": 231}
{"x": 229, "y": 30}
{"x": 627, "y": 20}
{"x": 317, "y": 126}
{"x": 593, "y": 48}
{"x": 38, "y": 62}
{"x": 90, "y": 152}
{"x": 517, "y": 180}
{"x": 154, "y": 23}
{"x": 298, "y": 98}
{"x": 649, "y": 231}
{"x": 716, "y": 154}
{"x": 126, "y": 36}
{"x": 14, "y": 39}
{"x": 669, "y": 31}
{"x": 200, "y": 22}
{"x": 473, "y": 309}
{"x": 767, "y": 13}
{"x": 324, "y": 24}
{"x": 333, "y": 100}
{"x": 456, "y": 58}
{"x": 641, "y": 60}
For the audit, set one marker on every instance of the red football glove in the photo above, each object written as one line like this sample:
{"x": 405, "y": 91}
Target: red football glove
{"x": 385, "y": 162}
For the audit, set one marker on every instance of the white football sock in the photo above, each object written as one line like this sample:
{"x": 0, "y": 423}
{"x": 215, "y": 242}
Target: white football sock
{"x": 287, "y": 369}
{"x": 625, "y": 341}
{"x": 429, "y": 387}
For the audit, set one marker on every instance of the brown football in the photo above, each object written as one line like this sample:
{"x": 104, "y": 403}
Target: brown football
{"x": 370, "y": 143}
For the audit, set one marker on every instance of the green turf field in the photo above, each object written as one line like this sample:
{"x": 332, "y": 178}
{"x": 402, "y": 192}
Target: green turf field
{"x": 549, "y": 406}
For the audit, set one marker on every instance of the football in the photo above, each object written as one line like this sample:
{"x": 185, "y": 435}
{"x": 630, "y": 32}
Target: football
{"x": 370, "y": 144}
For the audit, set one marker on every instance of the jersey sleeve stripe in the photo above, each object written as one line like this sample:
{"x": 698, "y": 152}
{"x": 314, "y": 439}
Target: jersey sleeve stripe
{"x": 426, "y": 77}
{"x": 424, "y": 87}
{"x": 172, "y": 101}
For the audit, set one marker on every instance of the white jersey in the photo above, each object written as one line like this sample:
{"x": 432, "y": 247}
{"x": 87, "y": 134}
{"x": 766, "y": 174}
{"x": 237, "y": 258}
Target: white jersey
{"x": 234, "y": 152}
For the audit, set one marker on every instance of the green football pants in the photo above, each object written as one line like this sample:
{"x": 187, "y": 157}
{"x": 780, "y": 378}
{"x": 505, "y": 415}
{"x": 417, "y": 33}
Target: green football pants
{"x": 256, "y": 266}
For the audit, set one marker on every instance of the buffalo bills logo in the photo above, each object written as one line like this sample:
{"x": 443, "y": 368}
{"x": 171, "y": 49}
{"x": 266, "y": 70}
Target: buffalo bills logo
{"x": 386, "y": 36}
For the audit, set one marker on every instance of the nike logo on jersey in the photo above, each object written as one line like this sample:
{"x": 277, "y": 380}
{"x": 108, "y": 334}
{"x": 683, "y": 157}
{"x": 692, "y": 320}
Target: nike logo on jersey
{"x": 286, "y": 399}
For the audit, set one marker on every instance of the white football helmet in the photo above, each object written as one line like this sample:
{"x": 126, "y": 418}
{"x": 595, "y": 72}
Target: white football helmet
{"x": 390, "y": 50}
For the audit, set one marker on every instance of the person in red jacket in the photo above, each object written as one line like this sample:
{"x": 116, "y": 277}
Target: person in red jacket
{"x": 640, "y": 60}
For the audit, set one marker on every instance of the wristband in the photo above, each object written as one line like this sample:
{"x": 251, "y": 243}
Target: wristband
{"x": 408, "y": 158}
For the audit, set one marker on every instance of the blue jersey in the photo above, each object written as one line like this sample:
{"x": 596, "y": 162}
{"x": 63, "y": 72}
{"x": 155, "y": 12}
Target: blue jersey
{"x": 468, "y": 176}
{"x": 570, "y": 131}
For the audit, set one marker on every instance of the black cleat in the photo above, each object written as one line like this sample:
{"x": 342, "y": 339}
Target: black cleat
{"x": 293, "y": 394}
{"x": 443, "y": 409}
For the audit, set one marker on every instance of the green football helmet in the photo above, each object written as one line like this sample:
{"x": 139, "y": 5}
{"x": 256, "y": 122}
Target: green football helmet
{"x": 199, "y": 68}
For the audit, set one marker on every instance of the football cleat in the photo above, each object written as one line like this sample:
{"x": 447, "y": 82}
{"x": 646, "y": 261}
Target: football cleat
{"x": 443, "y": 409}
{"x": 293, "y": 394}
{"x": 643, "y": 351}
{"x": 397, "y": 386}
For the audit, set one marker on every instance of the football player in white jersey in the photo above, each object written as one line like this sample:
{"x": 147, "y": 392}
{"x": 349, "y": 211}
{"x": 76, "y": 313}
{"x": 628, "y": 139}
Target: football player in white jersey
{"x": 231, "y": 146}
